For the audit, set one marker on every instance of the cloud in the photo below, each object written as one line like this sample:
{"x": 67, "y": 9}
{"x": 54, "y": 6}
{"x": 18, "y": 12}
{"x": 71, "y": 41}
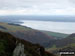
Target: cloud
{"x": 37, "y": 7}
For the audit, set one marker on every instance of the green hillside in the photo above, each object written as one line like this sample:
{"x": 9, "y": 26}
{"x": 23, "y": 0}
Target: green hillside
{"x": 55, "y": 34}
{"x": 25, "y": 33}
{"x": 13, "y": 27}
{"x": 62, "y": 43}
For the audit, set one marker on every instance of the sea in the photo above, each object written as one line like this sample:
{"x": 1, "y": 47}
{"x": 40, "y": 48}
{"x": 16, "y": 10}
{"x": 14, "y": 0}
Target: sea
{"x": 61, "y": 24}
{"x": 61, "y": 27}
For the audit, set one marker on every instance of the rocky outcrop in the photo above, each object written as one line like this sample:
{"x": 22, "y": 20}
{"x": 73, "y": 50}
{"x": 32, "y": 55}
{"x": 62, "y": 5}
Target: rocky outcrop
{"x": 19, "y": 50}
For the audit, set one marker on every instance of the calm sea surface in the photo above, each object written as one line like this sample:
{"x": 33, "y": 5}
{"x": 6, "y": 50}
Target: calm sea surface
{"x": 62, "y": 27}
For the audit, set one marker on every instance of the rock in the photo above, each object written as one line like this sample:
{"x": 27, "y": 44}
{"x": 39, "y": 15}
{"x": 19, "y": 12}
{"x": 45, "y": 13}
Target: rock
{"x": 41, "y": 51}
{"x": 19, "y": 50}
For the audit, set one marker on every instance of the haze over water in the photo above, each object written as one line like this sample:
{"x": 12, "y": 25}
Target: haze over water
{"x": 62, "y": 27}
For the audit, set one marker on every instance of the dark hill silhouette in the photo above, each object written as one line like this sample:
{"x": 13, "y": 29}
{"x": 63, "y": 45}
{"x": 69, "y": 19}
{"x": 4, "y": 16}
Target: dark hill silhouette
{"x": 8, "y": 43}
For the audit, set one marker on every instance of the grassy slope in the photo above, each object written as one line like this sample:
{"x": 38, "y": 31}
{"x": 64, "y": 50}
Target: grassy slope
{"x": 13, "y": 27}
{"x": 55, "y": 34}
{"x": 63, "y": 43}
{"x": 55, "y": 49}
{"x": 25, "y": 33}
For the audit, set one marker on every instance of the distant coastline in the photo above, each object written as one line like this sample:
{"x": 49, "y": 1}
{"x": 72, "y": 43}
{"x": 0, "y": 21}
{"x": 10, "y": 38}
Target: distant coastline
{"x": 38, "y": 18}
{"x": 62, "y": 24}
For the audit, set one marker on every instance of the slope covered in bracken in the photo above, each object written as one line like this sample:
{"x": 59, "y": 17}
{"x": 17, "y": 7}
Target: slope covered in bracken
{"x": 8, "y": 43}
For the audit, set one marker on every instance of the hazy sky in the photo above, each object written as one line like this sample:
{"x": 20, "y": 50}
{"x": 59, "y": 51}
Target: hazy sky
{"x": 37, "y": 7}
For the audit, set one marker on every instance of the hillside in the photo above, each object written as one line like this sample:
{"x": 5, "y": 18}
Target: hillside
{"x": 56, "y": 35}
{"x": 52, "y": 41}
{"x": 26, "y": 33}
{"x": 13, "y": 46}
{"x": 66, "y": 41}
{"x": 62, "y": 43}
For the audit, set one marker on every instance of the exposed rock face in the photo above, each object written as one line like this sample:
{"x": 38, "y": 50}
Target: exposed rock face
{"x": 19, "y": 50}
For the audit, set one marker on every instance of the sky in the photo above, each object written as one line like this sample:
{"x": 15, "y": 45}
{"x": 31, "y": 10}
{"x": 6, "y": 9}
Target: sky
{"x": 37, "y": 7}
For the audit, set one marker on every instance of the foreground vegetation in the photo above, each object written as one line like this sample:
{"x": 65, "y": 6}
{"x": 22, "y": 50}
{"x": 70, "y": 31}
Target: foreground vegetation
{"x": 8, "y": 43}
